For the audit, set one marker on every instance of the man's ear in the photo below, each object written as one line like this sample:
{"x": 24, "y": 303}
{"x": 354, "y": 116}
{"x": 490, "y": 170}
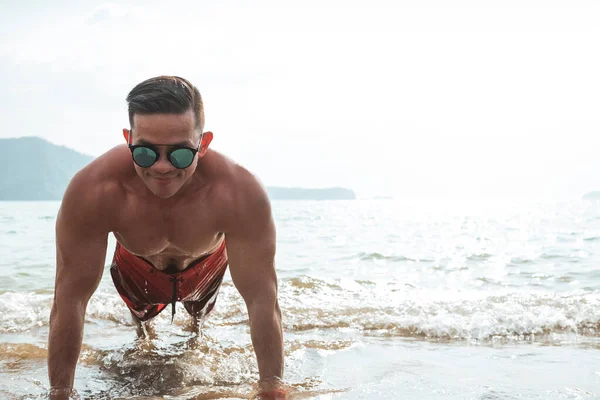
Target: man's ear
{"x": 126, "y": 133}
{"x": 207, "y": 137}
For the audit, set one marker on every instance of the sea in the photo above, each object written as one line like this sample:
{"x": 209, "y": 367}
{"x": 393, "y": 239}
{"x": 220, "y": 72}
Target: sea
{"x": 381, "y": 299}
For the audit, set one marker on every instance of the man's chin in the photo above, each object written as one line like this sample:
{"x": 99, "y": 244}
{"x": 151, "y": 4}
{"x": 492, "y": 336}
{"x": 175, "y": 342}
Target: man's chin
{"x": 164, "y": 192}
{"x": 164, "y": 195}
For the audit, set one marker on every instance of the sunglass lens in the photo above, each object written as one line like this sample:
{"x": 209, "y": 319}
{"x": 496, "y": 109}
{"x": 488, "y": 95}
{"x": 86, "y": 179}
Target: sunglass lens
{"x": 181, "y": 158}
{"x": 144, "y": 156}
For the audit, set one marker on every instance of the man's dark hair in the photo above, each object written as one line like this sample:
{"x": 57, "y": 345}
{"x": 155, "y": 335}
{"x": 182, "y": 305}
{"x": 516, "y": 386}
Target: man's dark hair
{"x": 166, "y": 95}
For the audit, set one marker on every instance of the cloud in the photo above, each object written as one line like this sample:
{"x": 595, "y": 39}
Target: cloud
{"x": 323, "y": 97}
{"x": 111, "y": 12}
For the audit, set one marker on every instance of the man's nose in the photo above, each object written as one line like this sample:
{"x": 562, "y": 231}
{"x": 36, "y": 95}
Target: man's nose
{"x": 163, "y": 165}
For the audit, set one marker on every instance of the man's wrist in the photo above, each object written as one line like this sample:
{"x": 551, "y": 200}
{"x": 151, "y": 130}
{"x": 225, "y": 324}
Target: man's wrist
{"x": 276, "y": 394}
{"x": 271, "y": 388}
{"x": 63, "y": 393}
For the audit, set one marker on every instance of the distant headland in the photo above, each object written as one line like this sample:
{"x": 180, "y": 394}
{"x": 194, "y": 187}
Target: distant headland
{"x": 592, "y": 196}
{"x": 336, "y": 193}
{"x": 37, "y": 170}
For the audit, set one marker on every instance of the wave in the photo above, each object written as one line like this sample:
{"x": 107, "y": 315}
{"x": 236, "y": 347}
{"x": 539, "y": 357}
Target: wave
{"x": 379, "y": 256}
{"x": 22, "y": 351}
{"x": 479, "y": 257}
{"x": 550, "y": 256}
{"x": 198, "y": 368}
{"x": 368, "y": 308}
{"x": 305, "y": 282}
{"x": 23, "y": 311}
{"x": 521, "y": 261}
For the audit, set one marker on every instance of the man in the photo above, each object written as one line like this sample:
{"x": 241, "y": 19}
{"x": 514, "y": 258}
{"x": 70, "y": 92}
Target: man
{"x": 180, "y": 213}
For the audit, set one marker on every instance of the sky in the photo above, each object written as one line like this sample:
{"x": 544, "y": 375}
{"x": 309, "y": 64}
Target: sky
{"x": 462, "y": 99}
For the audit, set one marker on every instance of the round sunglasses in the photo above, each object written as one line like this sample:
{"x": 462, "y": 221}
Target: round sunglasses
{"x": 145, "y": 155}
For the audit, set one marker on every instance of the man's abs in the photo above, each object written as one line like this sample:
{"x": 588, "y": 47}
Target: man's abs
{"x": 170, "y": 256}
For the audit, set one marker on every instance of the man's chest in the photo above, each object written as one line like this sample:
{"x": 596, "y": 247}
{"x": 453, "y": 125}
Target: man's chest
{"x": 176, "y": 236}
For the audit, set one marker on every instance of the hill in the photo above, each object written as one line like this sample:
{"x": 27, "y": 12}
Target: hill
{"x": 35, "y": 169}
{"x": 592, "y": 196}
{"x": 281, "y": 193}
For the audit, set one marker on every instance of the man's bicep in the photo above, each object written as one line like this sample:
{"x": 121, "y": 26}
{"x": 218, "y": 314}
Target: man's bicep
{"x": 252, "y": 263}
{"x": 250, "y": 237}
{"x": 79, "y": 265}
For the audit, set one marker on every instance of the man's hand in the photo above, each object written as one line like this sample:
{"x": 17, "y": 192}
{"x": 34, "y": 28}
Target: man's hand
{"x": 271, "y": 389}
{"x": 277, "y": 394}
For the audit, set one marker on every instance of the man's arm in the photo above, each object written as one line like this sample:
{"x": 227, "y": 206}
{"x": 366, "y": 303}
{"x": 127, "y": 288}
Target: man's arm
{"x": 81, "y": 241}
{"x": 250, "y": 243}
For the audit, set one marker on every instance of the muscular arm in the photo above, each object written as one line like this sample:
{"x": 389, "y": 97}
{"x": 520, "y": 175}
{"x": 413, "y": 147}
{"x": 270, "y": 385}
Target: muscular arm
{"x": 81, "y": 240}
{"x": 251, "y": 251}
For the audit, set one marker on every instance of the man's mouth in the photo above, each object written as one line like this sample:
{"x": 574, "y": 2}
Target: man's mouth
{"x": 163, "y": 180}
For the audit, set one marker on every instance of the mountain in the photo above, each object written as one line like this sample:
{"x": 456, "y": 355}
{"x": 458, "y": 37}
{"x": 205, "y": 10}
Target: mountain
{"x": 35, "y": 169}
{"x": 592, "y": 196}
{"x": 281, "y": 193}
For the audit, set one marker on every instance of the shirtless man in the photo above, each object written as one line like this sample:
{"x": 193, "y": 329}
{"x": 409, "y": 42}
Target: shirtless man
{"x": 181, "y": 213}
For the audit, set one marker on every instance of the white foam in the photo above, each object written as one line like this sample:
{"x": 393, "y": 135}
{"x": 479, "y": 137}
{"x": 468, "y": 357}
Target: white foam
{"x": 373, "y": 309}
{"x": 23, "y": 311}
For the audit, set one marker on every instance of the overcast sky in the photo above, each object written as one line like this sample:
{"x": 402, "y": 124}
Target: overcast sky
{"x": 405, "y": 98}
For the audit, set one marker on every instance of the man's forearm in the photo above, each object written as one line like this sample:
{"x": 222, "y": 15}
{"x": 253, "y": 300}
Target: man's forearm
{"x": 64, "y": 345}
{"x": 267, "y": 339}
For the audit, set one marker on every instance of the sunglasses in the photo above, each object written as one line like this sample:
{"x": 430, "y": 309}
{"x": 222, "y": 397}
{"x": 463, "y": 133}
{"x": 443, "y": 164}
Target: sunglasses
{"x": 145, "y": 155}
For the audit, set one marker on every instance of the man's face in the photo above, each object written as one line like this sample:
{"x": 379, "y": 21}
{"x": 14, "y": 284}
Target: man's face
{"x": 162, "y": 178}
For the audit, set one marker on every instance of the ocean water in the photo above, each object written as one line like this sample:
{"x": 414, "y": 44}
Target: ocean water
{"x": 381, "y": 299}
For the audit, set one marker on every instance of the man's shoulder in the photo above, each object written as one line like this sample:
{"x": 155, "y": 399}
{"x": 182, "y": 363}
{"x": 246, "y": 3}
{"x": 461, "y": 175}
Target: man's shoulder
{"x": 240, "y": 194}
{"x": 100, "y": 183}
{"x": 236, "y": 184}
{"x": 106, "y": 172}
